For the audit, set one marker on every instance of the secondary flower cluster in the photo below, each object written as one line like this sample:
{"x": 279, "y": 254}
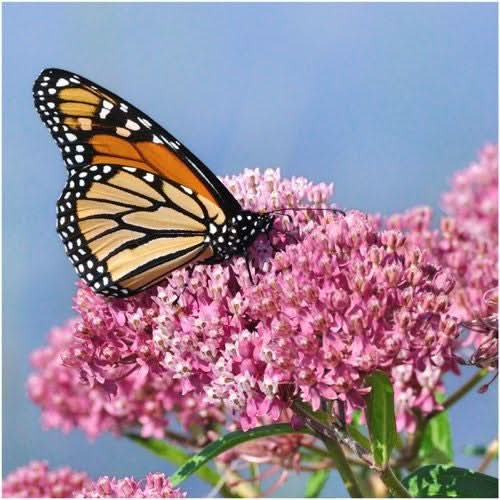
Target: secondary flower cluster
{"x": 154, "y": 485}
{"x": 466, "y": 243}
{"x": 37, "y": 480}
{"x": 334, "y": 299}
{"x": 70, "y": 398}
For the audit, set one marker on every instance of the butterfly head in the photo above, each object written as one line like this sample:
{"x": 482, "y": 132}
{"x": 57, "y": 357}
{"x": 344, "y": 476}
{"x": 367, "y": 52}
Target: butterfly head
{"x": 239, "y": 232}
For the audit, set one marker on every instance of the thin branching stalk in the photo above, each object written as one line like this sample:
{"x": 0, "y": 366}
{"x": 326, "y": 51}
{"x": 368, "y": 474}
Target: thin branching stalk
{"x": 343, "y": 467}
{"x": 394, "y": 484}
{"x": 491, "y": 453}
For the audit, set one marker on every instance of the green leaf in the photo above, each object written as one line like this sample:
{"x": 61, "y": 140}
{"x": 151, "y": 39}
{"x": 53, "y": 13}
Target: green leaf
{"x": 316, "y": 483}
{"x": 227, "y": 442}
{"x": 380, "y": 417}
{"x": 436, "y": 447}
{"x": 448, "y": 481}
{"x": 174, "y": 455}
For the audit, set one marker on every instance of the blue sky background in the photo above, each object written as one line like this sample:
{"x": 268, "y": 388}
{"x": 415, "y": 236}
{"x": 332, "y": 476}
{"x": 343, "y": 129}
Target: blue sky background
{"x": 386, "y": 100}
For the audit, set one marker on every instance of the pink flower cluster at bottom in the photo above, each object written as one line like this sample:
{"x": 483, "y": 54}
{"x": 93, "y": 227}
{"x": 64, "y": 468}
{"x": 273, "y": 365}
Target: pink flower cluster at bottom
{"x": 37, "y": 480}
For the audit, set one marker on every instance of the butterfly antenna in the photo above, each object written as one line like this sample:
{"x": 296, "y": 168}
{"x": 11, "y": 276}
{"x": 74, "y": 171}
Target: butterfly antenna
{"x": 298, "y": 209}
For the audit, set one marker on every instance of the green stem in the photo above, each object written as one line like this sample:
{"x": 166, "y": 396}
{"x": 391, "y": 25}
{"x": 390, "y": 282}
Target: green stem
{"x": 342, "y": 466}
{"x": 462, "y": 391}
{"x": 394, "y": 484}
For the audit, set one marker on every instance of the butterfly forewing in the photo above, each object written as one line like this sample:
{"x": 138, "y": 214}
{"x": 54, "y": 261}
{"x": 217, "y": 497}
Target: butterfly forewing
{"x": 137, "y": 204}
{"x": 92, "y": 125}
{"x": 125, "y": 228}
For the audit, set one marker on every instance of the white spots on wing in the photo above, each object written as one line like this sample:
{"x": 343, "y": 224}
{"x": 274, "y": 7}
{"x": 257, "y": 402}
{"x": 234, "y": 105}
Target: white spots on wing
{"x": 62, "y": 82}
{"x": 212, "y": 228}
{"x": 90, "y": 276}
{"x": 157, "y": 140}
{"x": 105, "y": 281}
{"x": 106, "y": 169}
{"x": 107, "y": 104}
{"x": 103, "y": 113}
{"x": 51, "y": 105}
{"x": 123, "y": 107}
{"x": 149, "y": 177}
{"x": 79, "y": 158}
{"x": 71, "y": 137}
{"x": 100, "y": 269}
{"x": 129, "y": 169}
{"x": 81, "y": 268}
{"x": 90, "y": 264}
{"x": 145, "y": 122}
{"x": 79, "y": 148}
{"x": 187, "y": 190}
{"x": 74, "y": 79}
{"x": 82, "y": 174}
{"x": 131, "y": 125}
{"x": 93, "y": 168}
{"x": 123, "y": 132}
{"x": 97, "y": 177}
{"x": 52, "y": 91}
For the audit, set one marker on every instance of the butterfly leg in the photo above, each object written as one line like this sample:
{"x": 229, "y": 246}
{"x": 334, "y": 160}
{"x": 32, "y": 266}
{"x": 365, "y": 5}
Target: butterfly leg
{"x": 247, "y": 262}
{"x": 190, "y": 271}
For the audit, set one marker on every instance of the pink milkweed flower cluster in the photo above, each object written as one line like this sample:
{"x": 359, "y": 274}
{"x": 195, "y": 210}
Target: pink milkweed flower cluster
{"x": 466, "y": 242}
{"x": 36, "y": 480}
{"x": 334, "y": 299}
{"x": 154, "y": 485}
{"x": 138, "y": 398}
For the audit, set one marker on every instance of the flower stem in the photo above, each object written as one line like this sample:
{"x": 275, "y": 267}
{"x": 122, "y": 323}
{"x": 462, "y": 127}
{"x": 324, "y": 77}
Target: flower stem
{"x": 342, "y": 466}
{"x": 491, "y": 453}
{"x": 394, "y": 484}
{"x": 462, "y": 391}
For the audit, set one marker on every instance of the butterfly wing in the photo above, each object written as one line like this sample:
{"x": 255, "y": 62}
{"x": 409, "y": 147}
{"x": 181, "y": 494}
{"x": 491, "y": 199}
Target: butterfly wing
{"x": 94, "y": 126}
{"x": 125, "y": 228}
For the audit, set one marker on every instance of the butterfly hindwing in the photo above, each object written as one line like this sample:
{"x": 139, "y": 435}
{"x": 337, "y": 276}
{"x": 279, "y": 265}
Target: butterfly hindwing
{"x": 125, "y": 228}
{"x": 94, "y": 126}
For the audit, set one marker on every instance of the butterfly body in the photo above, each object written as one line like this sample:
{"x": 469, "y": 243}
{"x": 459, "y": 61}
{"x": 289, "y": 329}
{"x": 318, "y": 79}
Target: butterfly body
{"x": 137, "y": 204}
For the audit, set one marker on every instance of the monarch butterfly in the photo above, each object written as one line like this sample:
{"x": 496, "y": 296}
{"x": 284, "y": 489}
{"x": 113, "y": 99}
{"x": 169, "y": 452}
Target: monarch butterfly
{"x": 137, "y": 203}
